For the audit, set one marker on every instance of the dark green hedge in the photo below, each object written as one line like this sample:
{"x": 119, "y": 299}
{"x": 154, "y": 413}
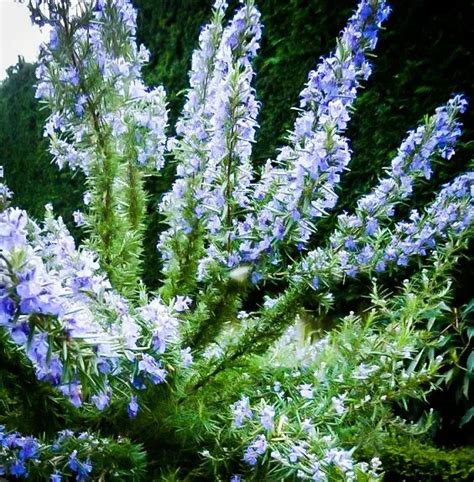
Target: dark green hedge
{"x": 411, "y": 461}
{"x": 24, "y": 151}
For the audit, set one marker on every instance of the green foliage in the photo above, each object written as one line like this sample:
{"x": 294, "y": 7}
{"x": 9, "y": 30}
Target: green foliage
{"x": 457, "y": 331}
{"x": 396, "y": 349}
{"x": 117, "y": 216}
{"x": 23, "y": 397}
{"x": 94, "y": 456}
{"x": 413, "y": 461}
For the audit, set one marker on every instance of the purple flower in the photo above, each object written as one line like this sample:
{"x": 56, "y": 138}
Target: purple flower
{"x": 79, "y": 218}
{"x": 186, "y": 357}
{"x": 7, "y": 310}
{"x": 56, "y": 477}
{"x": 133, "y": 407}
{"x": 29, "y": 448}
{"x": 81, "y": 469}
{"x": 250, "y": 457}
{"x": 338, "y": 404}
{"x": 19, "y": 333}
{"x": 79, "y": 105}
{"x": 297, "y": 451}
{"x": 18, "y": 469}
{"x": 53, "y": 38}
{"x": 151, "y": 367}
{"x": 266, "y": 417}
{"x": 371, "y": 226}
{"x": 306, "y": 390}
{"x": 256, "y": 448}
{"x": 241, "y": 411}
{"x": 182, "y": 303}
{"x": 72, "y": 390}
{"x": 101, "y": 400}
{"x": 69, "y": 75}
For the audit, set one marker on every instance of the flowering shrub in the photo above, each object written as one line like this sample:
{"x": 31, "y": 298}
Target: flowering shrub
{"x": 218, "y": 358}
{"x": 69, "y": 455}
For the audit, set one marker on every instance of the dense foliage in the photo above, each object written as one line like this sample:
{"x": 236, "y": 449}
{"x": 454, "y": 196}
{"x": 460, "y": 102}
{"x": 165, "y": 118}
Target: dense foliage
{"x": 414, "y": 460}
{"x": 256, "y": 347}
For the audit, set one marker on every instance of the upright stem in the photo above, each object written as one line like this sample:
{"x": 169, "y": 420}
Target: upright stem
{"x": 118, "y": 235}
{"x": 134, "y": 196}
{"x": 258, "y": 338}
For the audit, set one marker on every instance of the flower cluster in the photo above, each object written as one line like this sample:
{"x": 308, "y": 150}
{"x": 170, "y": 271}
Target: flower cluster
{"x": 353, "y": 251}
{"x": 361, "y": 240}
{"x": 436, "y": 136}
{"x": 104, "y": 121}
{"x": 58, "y": 307}
{"x": 306, "y": 424}
{"x": 193, "y": 127}
{"x": 214, "y": 179}
{"x": 95, "y": 91}
{"x": 16, "y": 452}
{"x": 300, "y": 186}
{"x": 80, "y": 456}
{"x": 451, "y": 214}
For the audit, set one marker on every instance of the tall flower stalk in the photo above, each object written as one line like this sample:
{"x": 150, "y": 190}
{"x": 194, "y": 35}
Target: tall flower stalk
{"x": 214, "y": 144}
{"x": 184, "y": 237}
{"x": 104, "y": 121}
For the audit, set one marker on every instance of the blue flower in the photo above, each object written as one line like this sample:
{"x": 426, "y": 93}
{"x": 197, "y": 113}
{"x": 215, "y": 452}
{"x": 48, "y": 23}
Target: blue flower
{"x": 19, "y": 333}
{"x": 241, "y": 411}
{"x": 150, "y": 366}
{"x": 18, "y": 468}
{"x": 72, "y": 390}
{"x": 133, "y": 407}
{"x": 306, "y": 390}
{"x": 69, "y": 75}
{"x": 266, "y": 417}
{"x": 101, "y": 400}
{"x": 81, "y": 469}
{"x": 256, "y": 448}
{"x": 56, "y": 477}
{"x": 7, "y": 310}
{"x": 29, "y": 448}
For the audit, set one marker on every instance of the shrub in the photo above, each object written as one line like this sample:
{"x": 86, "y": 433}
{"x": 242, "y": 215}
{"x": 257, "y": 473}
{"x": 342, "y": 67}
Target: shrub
{"x": 243, "y": 273}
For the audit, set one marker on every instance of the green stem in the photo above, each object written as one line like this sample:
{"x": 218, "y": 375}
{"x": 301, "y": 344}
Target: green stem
{"x": 135, "y": 196}
{"x": 271, "y": 325}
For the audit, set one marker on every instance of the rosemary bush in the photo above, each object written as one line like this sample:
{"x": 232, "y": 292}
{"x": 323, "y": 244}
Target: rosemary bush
{"x": 237, "y": 367}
